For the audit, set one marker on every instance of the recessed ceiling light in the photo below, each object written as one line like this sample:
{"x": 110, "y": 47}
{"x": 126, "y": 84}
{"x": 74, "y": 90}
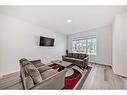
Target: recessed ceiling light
{"x": 68, "y": 20}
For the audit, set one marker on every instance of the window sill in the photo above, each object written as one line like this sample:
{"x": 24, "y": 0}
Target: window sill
{"x": 92, "y": 54}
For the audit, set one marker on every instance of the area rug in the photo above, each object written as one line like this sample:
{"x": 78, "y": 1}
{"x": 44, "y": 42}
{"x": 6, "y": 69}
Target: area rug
{"x": 73, "y": 79}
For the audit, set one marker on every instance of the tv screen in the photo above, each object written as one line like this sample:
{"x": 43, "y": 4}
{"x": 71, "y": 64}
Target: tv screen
{"x": 44, "y": 41}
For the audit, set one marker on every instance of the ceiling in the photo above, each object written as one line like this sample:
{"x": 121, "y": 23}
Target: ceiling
{"x": 54, "y": 17}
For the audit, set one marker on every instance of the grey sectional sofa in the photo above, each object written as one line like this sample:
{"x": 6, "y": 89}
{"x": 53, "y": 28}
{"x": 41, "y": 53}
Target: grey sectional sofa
{"x": 78, "y": 59}
{"x": 36, "y": 75}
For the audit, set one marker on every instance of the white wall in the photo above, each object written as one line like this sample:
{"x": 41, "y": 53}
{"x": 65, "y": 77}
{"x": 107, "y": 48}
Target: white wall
{"x": 104, "y": 44}
{"x": 1, "y": 45}
{"x": 0, "y": 51}
{"x": 120, "y": 45}
{"x": 20, "y": 39}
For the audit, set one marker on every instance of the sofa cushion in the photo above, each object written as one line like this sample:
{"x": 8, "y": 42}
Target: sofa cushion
{"x": 75, "y": 55}
{"x": 81, "y": 56}
{"x": 43, "y": 68}
{"x": 29, "y": 82}
{"x": 37, "y": 63}
{"x": 33, "y": 72}
{"x": 48, "y": 73}
{"x": 69, "y": 58}
{"x": 70, "y": 54}
{"x": 78, "y": 60}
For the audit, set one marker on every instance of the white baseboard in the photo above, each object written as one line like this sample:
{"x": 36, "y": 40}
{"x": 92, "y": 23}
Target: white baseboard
{"x": 101, "y": 64}
{"x": 7, "y": 73}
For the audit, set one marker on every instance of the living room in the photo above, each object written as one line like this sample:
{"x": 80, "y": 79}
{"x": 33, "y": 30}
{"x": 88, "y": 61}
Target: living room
{"x": 91, "y": 30}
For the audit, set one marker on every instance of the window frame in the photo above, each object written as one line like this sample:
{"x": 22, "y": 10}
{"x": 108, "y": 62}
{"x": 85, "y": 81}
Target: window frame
{"x": 86, "y": 39}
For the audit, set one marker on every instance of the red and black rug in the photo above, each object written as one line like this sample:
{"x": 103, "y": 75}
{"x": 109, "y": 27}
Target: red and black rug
{"x": 73, "y": 79}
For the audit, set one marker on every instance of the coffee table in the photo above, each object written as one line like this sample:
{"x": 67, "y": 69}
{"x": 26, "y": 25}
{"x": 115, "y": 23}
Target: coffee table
{"x": 62, "y": 63}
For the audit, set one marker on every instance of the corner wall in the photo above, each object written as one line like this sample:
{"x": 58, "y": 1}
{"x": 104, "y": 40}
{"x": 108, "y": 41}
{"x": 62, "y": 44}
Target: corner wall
{"x": 104, "y": 44}
{"x": 20, "y": 39}
{"x": 120, "y": 45}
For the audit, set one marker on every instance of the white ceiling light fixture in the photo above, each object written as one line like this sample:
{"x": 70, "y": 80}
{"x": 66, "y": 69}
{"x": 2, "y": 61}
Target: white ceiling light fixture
{"x": 68, "y": 20}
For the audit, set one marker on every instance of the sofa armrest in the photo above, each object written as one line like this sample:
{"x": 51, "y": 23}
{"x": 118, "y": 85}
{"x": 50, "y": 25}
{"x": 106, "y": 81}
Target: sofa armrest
{"x": 64, "y": 56}
{"x": 86, "y": 58}
{"x": 56, "y": 81}
{"x": 85, "y": 61}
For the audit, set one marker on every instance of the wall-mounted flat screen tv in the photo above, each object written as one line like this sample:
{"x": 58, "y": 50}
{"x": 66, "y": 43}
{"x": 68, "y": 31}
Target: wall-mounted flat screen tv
{"x": 45, "y": 41}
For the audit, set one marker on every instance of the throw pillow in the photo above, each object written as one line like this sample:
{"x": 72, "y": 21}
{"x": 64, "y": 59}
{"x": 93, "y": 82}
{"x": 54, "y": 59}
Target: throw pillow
{"x": 24, "y": 61}
{"x": 29, "y": 82}
{"x": 33, "y": 72}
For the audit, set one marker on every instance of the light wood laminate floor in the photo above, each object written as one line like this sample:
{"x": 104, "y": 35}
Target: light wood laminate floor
{"x": 100, "y": 77}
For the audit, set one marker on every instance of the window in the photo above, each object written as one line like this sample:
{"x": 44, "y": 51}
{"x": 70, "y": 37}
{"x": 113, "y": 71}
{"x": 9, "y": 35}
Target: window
{"x": 84, "y": 45}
